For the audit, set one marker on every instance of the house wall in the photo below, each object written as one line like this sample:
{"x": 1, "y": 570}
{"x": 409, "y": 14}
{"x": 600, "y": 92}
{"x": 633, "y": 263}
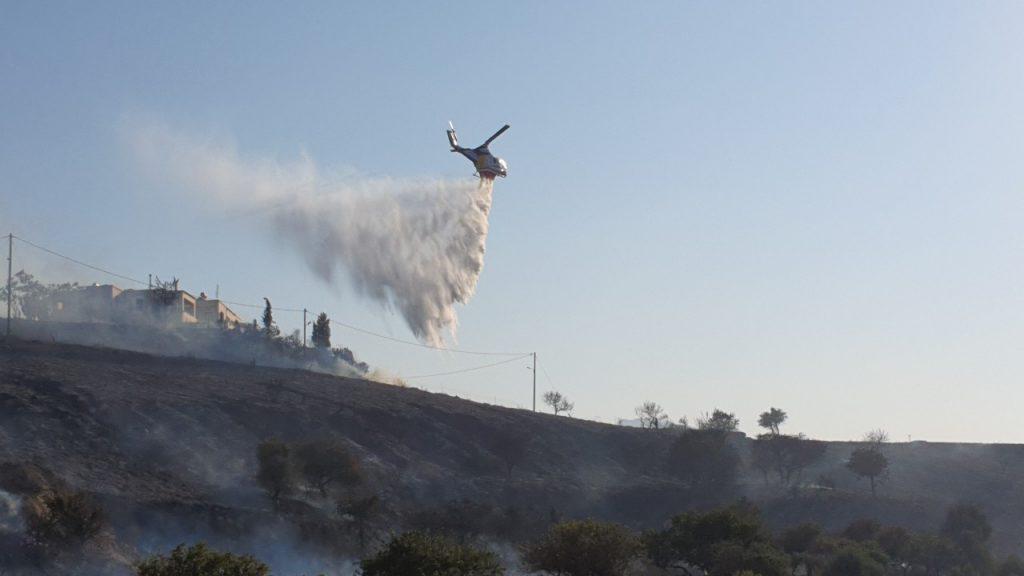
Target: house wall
{"x": 215, "y": 312}
{"x": 147, "y": 306}
{"x": 85, "y": 304}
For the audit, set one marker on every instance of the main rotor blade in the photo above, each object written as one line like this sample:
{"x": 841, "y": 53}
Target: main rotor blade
{"x": 496, "y": 134}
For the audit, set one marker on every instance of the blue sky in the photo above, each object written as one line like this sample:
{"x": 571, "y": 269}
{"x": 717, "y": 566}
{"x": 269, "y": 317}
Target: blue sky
{"x": 808, "y": 205}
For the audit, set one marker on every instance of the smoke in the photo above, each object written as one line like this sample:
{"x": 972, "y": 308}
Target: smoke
{"x": 10, "y": 512}
{"x": 412, "y": 245}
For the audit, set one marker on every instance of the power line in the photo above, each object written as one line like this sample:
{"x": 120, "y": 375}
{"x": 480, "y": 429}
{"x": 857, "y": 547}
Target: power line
{"x": 274, "y": 308}
{"x": 386, "y": 337}
{"x": 467, "y": 369}
{"x": 546, "y": 377}
{"x": 259, "y": 306}
{"x": 79, "y": 262}
{"x": 431, "y": 347}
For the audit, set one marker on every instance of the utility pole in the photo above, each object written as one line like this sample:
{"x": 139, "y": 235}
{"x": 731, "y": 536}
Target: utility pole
{"x": 10, "y": 263}
{"x": 534, "y": 381}
{"x": 304, "y": 327}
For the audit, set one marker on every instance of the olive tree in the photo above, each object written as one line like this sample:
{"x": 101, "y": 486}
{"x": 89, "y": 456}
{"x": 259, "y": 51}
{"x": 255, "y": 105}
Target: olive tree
{"x": 424, "y": 553}
{"x": 275, "y": 471}
{"x": 868, "y": 462}
{"x": 199, "y": 560}
{"x": 652, "y": 416}
{"x": 557, "y": 402}
{"x": 323, "y": 463}
{"x": 583, "y": 548}
{"x": 772, "y": 420}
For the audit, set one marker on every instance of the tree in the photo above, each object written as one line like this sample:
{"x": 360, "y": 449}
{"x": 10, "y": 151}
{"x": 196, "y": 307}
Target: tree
{"x": 651, "y": 415}
{"x": 325, "y": 462}
{"x": 772, "y": 420}
{"x": 968, "y": 527}
{"x": 896, "y": 542}
{"x": 868, "y": 462}
{"x": 64, "y": 519}
{"x": 1012, "y": 566}
{"x": 276, "y": 474}
{"x": 800, "y": 543}
{"x": 863, "y": 530}
{"x": 420, "y": 553}
{"x": 761, "y": 558}
{"x": 269, "y": 328}
{"x": 718, "y": 420}
{"x": 362, "y": 511}
{"x": 876, "y": 437}
{"x": 322, "y": 331}
{"x": 557, "y": 402}
{"x": 697, "y": 540}
{"x": 583, "y": 548}
{"x": 788, "y": 456}
{"x": 31, "y": 299}
{"x": 704, "y": 459}
{"x": 198, "y": 560}
{"x": 511, "y": 448}
{"x": 854, "y": 561}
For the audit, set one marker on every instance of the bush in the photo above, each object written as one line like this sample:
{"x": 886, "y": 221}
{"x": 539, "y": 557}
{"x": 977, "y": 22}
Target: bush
{"x": 583, "y": 548}
{"x": 276, "y": 474}
{"x": 424, "y": 554}
{"x": 199, "y": 560}
{"x": 696, "y": 539}
{"x": 704, "y": 459}
{"x": 854, "y": 561}
{"x": 64, "y": 519}
{"x": 327, "y": 462}
{"x": 761, "y": 558}
{"x": 362, "y": 511}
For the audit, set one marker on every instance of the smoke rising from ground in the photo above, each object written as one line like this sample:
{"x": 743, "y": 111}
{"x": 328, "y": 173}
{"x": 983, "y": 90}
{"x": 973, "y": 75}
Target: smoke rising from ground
{"x": 415, "y": 245}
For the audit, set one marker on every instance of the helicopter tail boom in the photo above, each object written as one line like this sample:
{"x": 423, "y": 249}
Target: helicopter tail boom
{"x": 452, "y": 138}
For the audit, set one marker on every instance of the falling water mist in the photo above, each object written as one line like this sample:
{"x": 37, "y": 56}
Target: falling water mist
{"x": 413, "y": 245}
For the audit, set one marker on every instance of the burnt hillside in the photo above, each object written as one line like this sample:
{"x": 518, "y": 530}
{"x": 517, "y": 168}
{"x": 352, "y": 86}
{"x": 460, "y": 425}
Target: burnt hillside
{"x": 168, "y": 445}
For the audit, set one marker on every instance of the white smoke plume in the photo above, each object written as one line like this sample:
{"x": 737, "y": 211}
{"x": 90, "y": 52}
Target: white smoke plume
{"x": 415, "y": 245}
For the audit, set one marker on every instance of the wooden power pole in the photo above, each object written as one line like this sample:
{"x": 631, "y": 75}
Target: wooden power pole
{"x": 10, "y": 264}
{"x": 304, "y": 327}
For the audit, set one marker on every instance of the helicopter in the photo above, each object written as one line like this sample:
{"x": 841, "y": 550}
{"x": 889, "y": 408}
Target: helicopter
{"x": 487, "y": 165}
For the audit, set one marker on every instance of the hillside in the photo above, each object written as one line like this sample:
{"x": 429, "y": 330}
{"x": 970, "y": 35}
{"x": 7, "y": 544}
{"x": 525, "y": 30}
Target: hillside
{"x": 168, "y": 445}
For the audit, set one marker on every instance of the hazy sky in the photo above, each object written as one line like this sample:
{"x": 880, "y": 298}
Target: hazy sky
{"x": 814, "y": 206}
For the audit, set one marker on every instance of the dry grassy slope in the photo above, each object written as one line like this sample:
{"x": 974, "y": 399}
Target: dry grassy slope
{"x": 152, "y": 429}
{"x": 151, "y": 432}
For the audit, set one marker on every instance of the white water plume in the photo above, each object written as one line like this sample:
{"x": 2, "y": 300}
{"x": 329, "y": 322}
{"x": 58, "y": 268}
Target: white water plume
{"x": 415, "y": 245}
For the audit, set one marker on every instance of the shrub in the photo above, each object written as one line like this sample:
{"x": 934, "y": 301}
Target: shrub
{"x": 362, "y": 511}
{"x": 868, "y": 462}
{"x": 583, "y": 548}
{"x": 199, "y": 560}
{"x": 64, "y": 519}
{"x": 327, "y": 462}
{"x": 704, "y": 459}
{"x": 424, "y": 554}
{"x": 695, "y": 538}
{"x": 276, "y": 474}
{"x": 854, "y": 561}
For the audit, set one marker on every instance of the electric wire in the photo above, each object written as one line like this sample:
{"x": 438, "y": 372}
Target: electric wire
{"x": 546, "y": 377}
{"x": 429, "y": 346}
{"x": 277, "y": 309}
{"x": 466, "y": 369}
{"x": 79, "y": 262}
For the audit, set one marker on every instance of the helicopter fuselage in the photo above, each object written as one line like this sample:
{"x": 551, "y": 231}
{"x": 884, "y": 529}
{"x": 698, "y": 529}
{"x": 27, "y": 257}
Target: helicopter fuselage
{"x": 487, "y": 165}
